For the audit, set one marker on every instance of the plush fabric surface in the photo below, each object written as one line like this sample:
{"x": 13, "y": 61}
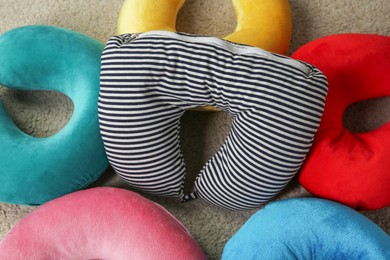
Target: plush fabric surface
{"x": 35, "y": 170}
{"x": 352, "y": 168}
{"x": 266, "y": 24}
{"x": 308, "y": 229}
{"x": 201, "y": 134}
{"x": 100, "y": 223}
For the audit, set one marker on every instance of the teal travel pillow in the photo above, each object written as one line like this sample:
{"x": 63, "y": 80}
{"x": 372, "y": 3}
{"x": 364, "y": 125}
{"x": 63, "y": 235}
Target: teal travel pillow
{"x": 35, "y": 170}
{"x": 308, "y": 228}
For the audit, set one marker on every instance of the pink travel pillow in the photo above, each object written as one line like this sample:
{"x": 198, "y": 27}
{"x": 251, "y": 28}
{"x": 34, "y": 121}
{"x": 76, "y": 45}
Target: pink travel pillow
{"x": 100, "y": 223}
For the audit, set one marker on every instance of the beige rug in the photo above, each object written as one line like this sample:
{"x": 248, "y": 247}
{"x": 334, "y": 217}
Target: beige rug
{"x": 41, "y": 114}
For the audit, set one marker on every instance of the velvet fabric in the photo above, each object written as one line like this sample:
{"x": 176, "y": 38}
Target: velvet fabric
{"x": 35, "y": 170}
{"x": 308, "y": 228}
{"x": 351, "y": 168}
{"x": 100, "y": 223}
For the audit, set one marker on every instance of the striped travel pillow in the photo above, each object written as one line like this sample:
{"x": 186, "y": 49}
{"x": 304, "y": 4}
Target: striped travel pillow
{"x": 148, "y": 80}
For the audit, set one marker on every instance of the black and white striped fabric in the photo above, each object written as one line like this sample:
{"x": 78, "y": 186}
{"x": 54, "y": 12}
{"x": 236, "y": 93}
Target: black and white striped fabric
{"x": 148, "y": 80}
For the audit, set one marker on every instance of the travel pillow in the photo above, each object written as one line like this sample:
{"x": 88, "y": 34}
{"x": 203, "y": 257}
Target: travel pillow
{"x": 348, "y": 167}
{"x": 100, "y": 223}
{"x": 148, "y": 80}
{"x": 35, "y": 170}
{"x": 265, "y": 24}
{"x": 308, "y": 228}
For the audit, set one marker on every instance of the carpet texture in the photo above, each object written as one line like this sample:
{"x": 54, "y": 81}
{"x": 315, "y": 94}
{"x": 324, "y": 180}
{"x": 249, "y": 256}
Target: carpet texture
{"x": 43, "y": 113}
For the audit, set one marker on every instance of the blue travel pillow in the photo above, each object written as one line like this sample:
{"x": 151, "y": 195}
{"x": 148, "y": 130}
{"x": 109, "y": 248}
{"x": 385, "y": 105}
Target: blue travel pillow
{"x": 308, "y": 229}
{"x": 35, "y": 170}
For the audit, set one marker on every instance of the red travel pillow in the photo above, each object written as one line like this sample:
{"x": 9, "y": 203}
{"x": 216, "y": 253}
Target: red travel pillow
{"x": 351, "y": 168}
{"x": 100, "y": 223}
